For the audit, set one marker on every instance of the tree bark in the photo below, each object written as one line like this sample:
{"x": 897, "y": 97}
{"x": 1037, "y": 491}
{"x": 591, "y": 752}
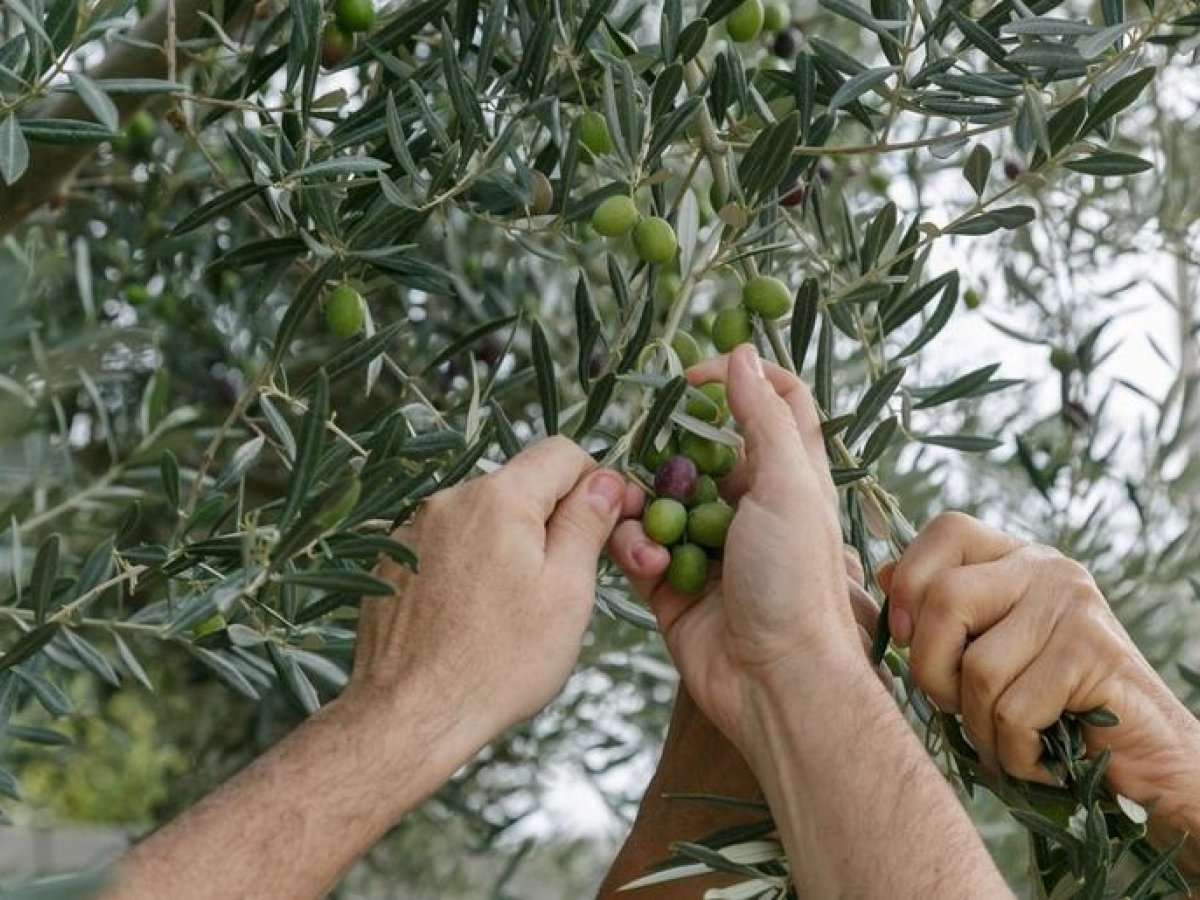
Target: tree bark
{"x": 51, "y": 167}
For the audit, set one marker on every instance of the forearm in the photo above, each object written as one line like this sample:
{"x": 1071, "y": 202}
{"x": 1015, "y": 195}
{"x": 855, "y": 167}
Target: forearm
{"x": 861, "y": 809}
{"x": 293, "y": 822}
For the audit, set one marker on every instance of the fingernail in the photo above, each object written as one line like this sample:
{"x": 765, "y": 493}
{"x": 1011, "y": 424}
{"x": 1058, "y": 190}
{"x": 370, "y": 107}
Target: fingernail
{"x": 607, "y": 491}
{"x": 902, "y": 626}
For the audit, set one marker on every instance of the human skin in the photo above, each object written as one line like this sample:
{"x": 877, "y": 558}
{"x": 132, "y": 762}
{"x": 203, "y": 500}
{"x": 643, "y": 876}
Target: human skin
{"x": 772, "y": 656}
{"x": 1011, "y": 635}
{"x": 698, "y": 759}
{"x": 441, "y": 668}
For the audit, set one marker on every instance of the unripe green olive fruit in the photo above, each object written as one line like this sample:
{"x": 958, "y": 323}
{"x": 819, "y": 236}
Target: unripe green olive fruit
{"x": 137, "y": 294}
{"x": 746, "y": 21}
{"x": 711, "y": 457}
{"x": 345, "y": 311}
{"x": 704, "y": 323}
{"x": 653, "y": 458}
{"x": 654, "y": 240}
{"x": 686, "y": 349}
{"x": 731, "y": 327}
{"x": 354, "y": 15}
{"x": 666, "y": 289}
{"x": 140, "y": 132}
{"x": 543, "y": 194}
{"x": 767, "y": 296}
{"x": 1063, "y": 359}
{"x": 339, "y": 504}
{"x": 593, "y": 133}
{"x": 211, "y": 625}
{"x": 971, "y": 298}
{"x": 708, "y": 523}
{"x": 775, "y": 16}
{"x": 706, "y": 490}
{"x": 615, "y": 216}
{"x": 665, "y": 521}
{"x": 711, "y": 405}
{"x": 336, "y": 46}
{"x": 688, "y": 571}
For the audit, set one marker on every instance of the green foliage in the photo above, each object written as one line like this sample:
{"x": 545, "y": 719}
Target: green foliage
{"x": 184, "y": 439}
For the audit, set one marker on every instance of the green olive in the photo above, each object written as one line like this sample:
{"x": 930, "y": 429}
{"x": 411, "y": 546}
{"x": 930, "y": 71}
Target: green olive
{"x": 666, "y": 290}
{"x": 971, "y": 298}
{"x": 652, "y": 457}
{"x": 711, "y": 457}
{"x": 593, "y": 133}
{"x": 775, "y": 16}
{"x": 688, "y": 571}
{"x": 211, "y": 625}
{"x": 712, "y": 404}
{"x": 686, "y": 349}
{"x": 731, "y": 327}
{"x": 654, "y": 240}
{"x": 345, "y": 311}
{"x": 543, "y": 194}
{"x": 708, "y": 523}
{"x": 706, "y": 490}
{"x": 354, "y": 15}
{"x": 767, "y": 296}
{"x": 746, "y": 21}
{"x": 615, "y": 216}
{"x": 665, "y": 520}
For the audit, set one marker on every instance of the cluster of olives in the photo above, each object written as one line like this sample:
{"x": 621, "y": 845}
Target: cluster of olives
{"x": 763, "y": 296}
{"x": 687, "y": 515}
{"x": 750, "y": 18}
{"x": 337, "y": 40}
{"x": 653, "y": 237}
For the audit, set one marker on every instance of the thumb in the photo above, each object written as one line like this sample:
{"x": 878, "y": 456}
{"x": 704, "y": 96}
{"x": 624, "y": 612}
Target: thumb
{"x": 773, "y": 449}
{"x": 583, "y": 520}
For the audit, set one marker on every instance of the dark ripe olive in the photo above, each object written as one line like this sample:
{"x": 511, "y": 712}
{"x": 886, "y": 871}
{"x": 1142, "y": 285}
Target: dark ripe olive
{"x": 676, "y": 478}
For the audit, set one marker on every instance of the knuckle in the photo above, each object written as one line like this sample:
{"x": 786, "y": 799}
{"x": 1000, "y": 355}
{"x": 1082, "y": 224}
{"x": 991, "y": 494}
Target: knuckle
{"x": 949, "y": 521}
{"x": 982, "y": 675}
{"x": 942, "y": 594}
{"x": 1009, "y": 713}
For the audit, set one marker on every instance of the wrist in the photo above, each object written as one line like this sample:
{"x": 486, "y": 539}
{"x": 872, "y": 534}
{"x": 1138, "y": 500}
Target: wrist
{"x": 409, "y": 739}
{"x": 805, "y": 688}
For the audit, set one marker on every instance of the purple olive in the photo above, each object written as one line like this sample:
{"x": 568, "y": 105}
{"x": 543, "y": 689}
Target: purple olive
{"x": 676, "y": 478}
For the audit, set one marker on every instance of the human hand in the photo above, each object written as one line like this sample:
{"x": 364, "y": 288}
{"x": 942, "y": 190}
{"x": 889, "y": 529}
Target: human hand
{"x": 782, "y": 597}
{"x": 1011, "y": 635}
{"x": 492, "y": 620}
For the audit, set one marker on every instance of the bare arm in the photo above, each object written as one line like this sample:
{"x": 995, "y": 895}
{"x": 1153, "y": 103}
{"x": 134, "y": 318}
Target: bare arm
{"x": 440, "y": 668}
{"x": 295, "y": 820}
{"x": 696, "y": 758}
{"x": 861, "y": 808}
{"x": 772, "y": 654}
{"x": 1011, "y": 635}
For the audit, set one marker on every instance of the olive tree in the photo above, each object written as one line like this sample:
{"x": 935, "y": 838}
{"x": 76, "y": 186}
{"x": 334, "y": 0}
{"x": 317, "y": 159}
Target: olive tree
{"x": 277, "y": 273}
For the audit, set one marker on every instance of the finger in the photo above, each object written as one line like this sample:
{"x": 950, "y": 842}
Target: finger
{"x": 958, "y": 605}
{"x": 775, "y": 457}
{"x": 1034, "y": 702}
{"x": 546, "y": 472}
{"x": 952, "y": 539}
{"x": 641, "y": 559}
{"x": 635, "y": 499}
{"x": 796, "y": 395}
{"x": 990, "y": 665}
{"x": 581, "y": 524}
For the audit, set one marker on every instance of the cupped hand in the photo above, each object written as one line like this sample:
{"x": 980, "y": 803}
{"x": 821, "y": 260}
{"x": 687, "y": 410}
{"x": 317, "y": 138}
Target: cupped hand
{"x": 1011, "y": 635}
{"x": 781, "y": 596}
{"x": 493, "y": 618}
